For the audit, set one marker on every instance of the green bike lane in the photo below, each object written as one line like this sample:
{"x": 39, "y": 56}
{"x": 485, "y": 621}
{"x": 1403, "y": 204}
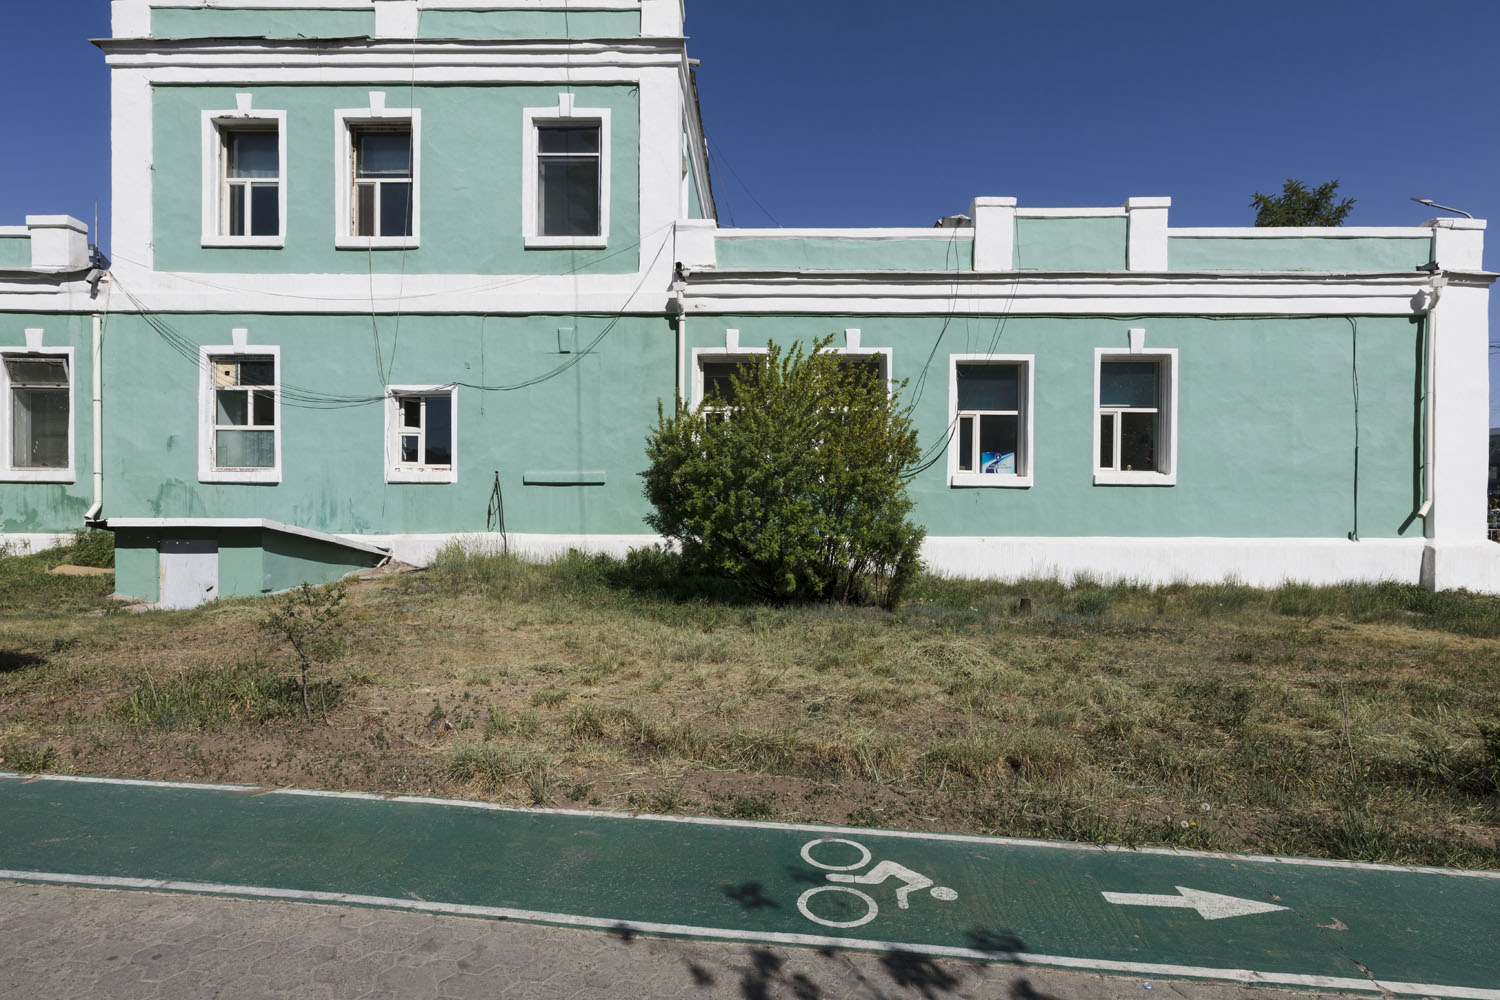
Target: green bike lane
{"x": 1330, "y": 925}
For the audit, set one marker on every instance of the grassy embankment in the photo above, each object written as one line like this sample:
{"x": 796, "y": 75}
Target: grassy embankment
{"x": 1359, "y": 722}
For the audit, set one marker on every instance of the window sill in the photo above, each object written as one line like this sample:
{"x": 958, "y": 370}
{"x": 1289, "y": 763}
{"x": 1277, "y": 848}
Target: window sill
{"x": 991, "y": 480}
{"x": 375, "y": 242}
{"x": 1108, "y": 478}
{"x": 262, "y": 476}
{"x": 421, "y": 475}
{"x": 38, "y": 476}
{"x": 567, "y": 242}
{"x": 245, "y": 242}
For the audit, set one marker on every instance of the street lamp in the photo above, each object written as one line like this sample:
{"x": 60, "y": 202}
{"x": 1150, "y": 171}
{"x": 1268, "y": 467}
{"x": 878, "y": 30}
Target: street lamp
{"x": 1432, "y": 204}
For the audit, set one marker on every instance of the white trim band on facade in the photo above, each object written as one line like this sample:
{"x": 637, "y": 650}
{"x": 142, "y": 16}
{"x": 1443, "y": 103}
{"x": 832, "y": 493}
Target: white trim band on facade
{"x": 167, "y": 523}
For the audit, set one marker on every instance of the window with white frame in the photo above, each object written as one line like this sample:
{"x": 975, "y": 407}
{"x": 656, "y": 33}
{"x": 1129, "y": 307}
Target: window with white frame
{"x": 566, "y": 183}
{"x": 240, "y": 438}
{"x": 379, "y": 196}
{"x": 38, "y": 389}
{"x": 991, "y": 412}
{"x": 244, "y": 178}
{"x": 422, "y": 434}
{"x": 1135, "y": 427}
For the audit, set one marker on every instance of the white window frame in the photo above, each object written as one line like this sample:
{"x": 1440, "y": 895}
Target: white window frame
{"x": 741, "y": 354}
{"x": 397, "y": 471}
{"x": 215, "y": 125}
{"x": 208, "y": 472}
{"x": 563, "y": 114}
{"x": 347, "y": 122}
{"x": 1166, "y": 475}
{"x": 1024, "y": 475}
{"x": 11, "y": 473}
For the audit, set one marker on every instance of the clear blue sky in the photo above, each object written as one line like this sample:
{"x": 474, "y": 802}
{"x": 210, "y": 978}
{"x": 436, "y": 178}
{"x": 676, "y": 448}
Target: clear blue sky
{"x": 844, "y": 113}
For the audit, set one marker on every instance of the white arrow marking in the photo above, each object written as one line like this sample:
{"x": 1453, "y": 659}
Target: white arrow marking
{"x": 1210, "y": 905}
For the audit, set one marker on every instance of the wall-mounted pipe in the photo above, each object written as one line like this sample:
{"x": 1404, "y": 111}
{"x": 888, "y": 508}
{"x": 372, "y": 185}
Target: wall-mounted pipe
{"x": 1429, "y": 422}
{"x": 92, "y": 517}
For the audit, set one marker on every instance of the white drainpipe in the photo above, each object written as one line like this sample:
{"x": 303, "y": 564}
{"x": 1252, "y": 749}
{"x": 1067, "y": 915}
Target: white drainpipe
{"x": 94, "y": 511}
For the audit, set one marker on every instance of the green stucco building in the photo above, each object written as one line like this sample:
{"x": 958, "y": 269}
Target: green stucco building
{"x": 387, "y": 273}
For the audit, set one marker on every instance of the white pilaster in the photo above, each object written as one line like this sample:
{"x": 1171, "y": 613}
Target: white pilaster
{"x": 1148, "y": 233}
{"x": 696, "y": 243}
{"x": 131, "y": 218}
{"x": 396, "y": 19}
{"x": 661, "y": 18}
{"x": 58, "y": 242}
{"x": 661, "y": 170}
{"x": 130, "y": 18}
{"x": 994, "y": 234}
{"x": 1459, "y": 554}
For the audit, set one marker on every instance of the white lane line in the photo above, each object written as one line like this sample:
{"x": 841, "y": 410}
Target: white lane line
{"x": 960, "y": 838}
{"x": 1246, "y": 976}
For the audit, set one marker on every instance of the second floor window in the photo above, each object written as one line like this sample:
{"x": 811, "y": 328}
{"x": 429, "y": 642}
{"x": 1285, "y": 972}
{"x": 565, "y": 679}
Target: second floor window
{"x": 568, "y": 173}
{"x": 250, "y": 202}
{"x": 383, "y": 195}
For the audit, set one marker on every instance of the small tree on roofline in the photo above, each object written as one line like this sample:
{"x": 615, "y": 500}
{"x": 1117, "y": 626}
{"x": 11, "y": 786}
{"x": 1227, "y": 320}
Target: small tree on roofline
{"x": 798, "y": 492}
{"x": 1297, "y": 206}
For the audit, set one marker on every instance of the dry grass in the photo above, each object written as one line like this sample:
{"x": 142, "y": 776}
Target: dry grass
{"x": 1355, "y": 722}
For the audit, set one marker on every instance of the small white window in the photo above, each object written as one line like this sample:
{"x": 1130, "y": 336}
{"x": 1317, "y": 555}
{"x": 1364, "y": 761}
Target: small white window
{"x": 421, "y": 434}
{"x": 1135, "y": 431}
{"x": 565, "y": 176}
{"x": 240, "y": 410}
{"x": 244, "y": 179}
{"x": 38, "y": 390}
{"x": 379, "y": 182}
{"x": 990, "y": 407}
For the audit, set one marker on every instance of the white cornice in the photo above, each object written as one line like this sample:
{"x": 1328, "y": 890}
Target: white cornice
{"x": 858, "y": 235}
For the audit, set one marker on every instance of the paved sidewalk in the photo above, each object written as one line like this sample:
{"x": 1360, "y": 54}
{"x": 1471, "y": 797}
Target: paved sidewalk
{"x": 59, "y": 943}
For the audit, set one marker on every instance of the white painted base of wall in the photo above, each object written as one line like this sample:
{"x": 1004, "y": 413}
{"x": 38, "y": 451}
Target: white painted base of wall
{"x": 1468, "y": 566}
{"x": 21, "y": 544}
{"x": 418, "y": 550}
{"x": 1256, "y": 562}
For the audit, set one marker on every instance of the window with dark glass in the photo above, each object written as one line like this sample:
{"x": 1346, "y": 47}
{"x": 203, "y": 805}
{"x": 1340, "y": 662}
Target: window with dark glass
{"x": 989, "y": 417}
{"x": 383, "y": 192}
{"x": 1130, "y": 416}
{"x": 424, "y": 431}
{"x": 39, "y": 409}
{"x": 568, "y": 176}
{"x": 251, "y": 197}
{"x": 244, "y": 412}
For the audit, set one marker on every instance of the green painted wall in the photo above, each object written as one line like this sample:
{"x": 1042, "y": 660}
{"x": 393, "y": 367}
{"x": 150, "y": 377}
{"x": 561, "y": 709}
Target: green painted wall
{"x": 208, "y": 22}
{"x": 1297, "y": 253}
{"x": 471, "y": 215}
{"x": 839, "y": 254}
{"x": 591, "y": 418}
{"x": 1086, "y": 244}
{"x": 15, "y": 251}
{"x": 530, "y": 24}
{"x": 291, "y": 560}
{"x": 55, "y": 507}
{"x": 1266, "y": 422}
{"x": 138, "y": 564}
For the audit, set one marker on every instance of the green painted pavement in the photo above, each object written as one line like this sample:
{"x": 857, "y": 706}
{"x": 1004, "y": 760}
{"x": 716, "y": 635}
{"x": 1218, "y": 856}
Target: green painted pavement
{"x": 1413, "y": 931}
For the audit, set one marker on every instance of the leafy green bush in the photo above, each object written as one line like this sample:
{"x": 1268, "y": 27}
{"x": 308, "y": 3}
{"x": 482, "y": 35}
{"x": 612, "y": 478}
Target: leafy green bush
{"x": 799, "y": 491}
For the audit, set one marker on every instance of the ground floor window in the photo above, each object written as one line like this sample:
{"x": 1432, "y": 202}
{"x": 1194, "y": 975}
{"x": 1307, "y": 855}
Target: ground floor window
{"x": 39, "y": 409}
{"x": 422, "y": 434}
{"x": 1134, "y": 419}
{"x": 991, "y": 420}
